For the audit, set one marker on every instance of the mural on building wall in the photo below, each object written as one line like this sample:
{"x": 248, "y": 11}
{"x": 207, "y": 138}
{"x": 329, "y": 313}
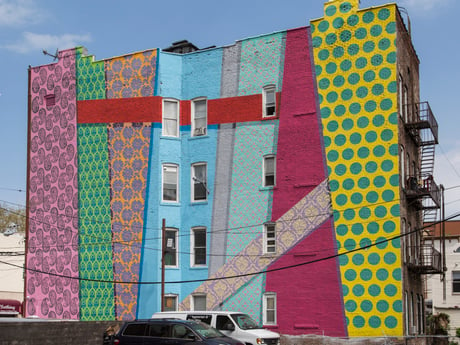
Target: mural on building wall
{"x": 355, "y": 59}
{"x": 53, "y": 192}
{"x": 96, "y": 298}
{"x": 90, "y": 77}
{"x": 337, "y": 184}
{"x": 132, "y": 75}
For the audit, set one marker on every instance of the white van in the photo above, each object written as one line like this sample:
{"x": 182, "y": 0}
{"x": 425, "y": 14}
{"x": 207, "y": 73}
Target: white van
{"x": 237, "y": 325}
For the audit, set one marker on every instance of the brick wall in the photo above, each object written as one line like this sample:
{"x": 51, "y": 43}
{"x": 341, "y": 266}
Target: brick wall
{"x": 52, "y": 332}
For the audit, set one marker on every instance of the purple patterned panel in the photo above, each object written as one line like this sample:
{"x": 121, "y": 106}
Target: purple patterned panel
{"x": 297, "y": 223}
{"x": 52, "y": 253}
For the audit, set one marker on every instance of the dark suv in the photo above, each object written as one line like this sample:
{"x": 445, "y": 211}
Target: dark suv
{"x": 170, "y": 332}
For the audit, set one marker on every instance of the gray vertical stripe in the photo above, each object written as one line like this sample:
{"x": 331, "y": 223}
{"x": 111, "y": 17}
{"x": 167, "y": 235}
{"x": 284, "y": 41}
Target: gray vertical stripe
{"x": 222, "y": 191}
{"x": 230, "y": 70}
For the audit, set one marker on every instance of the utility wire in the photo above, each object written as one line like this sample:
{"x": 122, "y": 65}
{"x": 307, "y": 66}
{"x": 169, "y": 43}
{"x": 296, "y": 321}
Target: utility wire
{"x": 237, "y": 275}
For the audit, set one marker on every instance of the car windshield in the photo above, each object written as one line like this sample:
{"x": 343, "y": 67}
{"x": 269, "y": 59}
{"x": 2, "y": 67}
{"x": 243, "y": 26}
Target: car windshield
{"x": 244, "y": 321}
{"x": 206, "y": 331}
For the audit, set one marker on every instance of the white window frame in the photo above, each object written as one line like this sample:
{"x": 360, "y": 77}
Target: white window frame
{"x": 197, "y": 180}
{"x": 402, "y": 168}
{"x": 406, "y": 103}
{"x": 171, "y": 117}
{"x": 270, "y": 238}
{"x": 404, "y": 239}
{"x": 265, "y": 175}
{"x": 269, "y": 103}
{"x": 169, "y": 167}
{"x": 201, "y": 129}
{"x": 269, "y": 306}
{"x": 193, "y": 302}
{"x": 194, "y": 247}
{"x": 175, "y": 247}
{"x": 175, "y": 298}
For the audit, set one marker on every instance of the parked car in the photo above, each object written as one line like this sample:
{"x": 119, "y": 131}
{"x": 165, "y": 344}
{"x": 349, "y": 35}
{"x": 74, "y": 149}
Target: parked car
{"x": 170, "y": 332}
{"x": 233, "y": 324}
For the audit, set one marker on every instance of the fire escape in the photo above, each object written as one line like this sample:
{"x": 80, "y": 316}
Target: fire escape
{"x": 421, "y": 190}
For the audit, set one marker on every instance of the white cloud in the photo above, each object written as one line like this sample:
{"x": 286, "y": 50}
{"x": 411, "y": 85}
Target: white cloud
{"x": 18, "y": 12}
{"x": 37, "y": 42}
{"x": 424, "y": 5}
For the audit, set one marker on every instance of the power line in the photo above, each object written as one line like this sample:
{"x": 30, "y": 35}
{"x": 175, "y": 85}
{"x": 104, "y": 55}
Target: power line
{"x": 367, "y": 246}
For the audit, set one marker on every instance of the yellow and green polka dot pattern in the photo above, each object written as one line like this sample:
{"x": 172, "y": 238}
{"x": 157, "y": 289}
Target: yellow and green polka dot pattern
{"x": 355, "y": 61}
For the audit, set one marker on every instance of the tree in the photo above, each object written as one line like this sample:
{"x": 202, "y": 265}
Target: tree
{"x": 10, "y": 215}
{"x": 438, "y": 325}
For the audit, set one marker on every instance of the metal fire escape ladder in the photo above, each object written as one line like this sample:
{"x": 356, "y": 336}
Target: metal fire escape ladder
{"x": 422, "y": 189}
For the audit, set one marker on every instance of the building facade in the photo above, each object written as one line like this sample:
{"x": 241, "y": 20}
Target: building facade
{"x": 282, "y": 176}
{"x": 443, "y": 292}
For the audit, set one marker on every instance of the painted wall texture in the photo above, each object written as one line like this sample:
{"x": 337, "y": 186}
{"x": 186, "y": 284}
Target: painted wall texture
{"x": 96, "y": 159}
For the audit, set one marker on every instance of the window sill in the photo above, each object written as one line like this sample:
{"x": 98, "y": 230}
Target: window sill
{"x": 169, "y": 138}
{"x": 196, "y": 268}
{"x": 197, "y": 203}
{"x": 270, "y": 326}
{"x": 194, "y": 137}
{"x": 173, "y": 204}
{"x": 268, "y": 256}
{"x": 273, "y": 117}
{"x": 266, "y": 187}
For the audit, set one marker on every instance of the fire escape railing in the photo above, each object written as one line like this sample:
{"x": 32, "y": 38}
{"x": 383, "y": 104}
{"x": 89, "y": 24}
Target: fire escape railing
{"x": 421, "y": 190}
{"x": 427, "y": 260}
{"x": 421, "y": 124}
{"x": 426, "y": 190}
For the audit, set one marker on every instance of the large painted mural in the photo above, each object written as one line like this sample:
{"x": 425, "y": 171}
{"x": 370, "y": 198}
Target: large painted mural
{"x": 96, "y": 151}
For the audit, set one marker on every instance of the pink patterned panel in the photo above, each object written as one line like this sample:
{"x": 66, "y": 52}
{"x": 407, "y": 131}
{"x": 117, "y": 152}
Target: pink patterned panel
{"x": 52, "y": 253}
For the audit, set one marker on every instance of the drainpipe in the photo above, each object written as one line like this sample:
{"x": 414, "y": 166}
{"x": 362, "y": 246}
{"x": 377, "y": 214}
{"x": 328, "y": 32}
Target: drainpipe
{"x": 26, "y": 239}
{"x": 443, "y": 245}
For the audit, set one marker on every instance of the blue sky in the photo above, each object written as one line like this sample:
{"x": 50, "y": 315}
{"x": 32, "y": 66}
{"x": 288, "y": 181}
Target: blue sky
{"x": 111, "y": 28}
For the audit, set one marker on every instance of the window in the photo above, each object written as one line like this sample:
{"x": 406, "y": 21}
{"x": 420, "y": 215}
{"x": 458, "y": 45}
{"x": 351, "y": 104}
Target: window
{"x": 269, "y": 171}
{"x": 223, "y": 323}
{"x": 171, "y": 247}
{"x": 405, "y": 103}
{"x": 170, "y": 182}
{"x": 170, "y": 118}
{"x": 269, "y": 308}
{"x": 407, "y": 315}
{"x": 50, "y": 100}
{"x": 199, "y": 302}
{"x": 170, "y": 303}
{"x": 456, "y": 281}
{"x": 269, "y": 101}
{"x": 269, "y": 238}
{"x": 135, "y": 329}
{"x": 199, "y": 117}
{"x": 402, "y": 168}
{"x": 199, "y": 182}
{"x": 404, "y": 239}
{"x": 199, "y": 247}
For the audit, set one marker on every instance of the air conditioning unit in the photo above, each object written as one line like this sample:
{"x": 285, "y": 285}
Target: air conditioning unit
{"x": 200, "y": 131}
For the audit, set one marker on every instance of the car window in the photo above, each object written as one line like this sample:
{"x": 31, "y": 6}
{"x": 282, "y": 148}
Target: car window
{"x": 135, "y": 329}
{"x": 222, "y": 322}
{"x": 206, "y": 331}
{"x": 182, "y": 332}
{"x": 159, "y": 330}
{"x": 244, "y": 321}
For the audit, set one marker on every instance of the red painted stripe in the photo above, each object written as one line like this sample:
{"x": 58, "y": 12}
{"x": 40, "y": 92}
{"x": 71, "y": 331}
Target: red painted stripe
{"x": 136, "y": 109}
{"x": 149, "y": 109}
